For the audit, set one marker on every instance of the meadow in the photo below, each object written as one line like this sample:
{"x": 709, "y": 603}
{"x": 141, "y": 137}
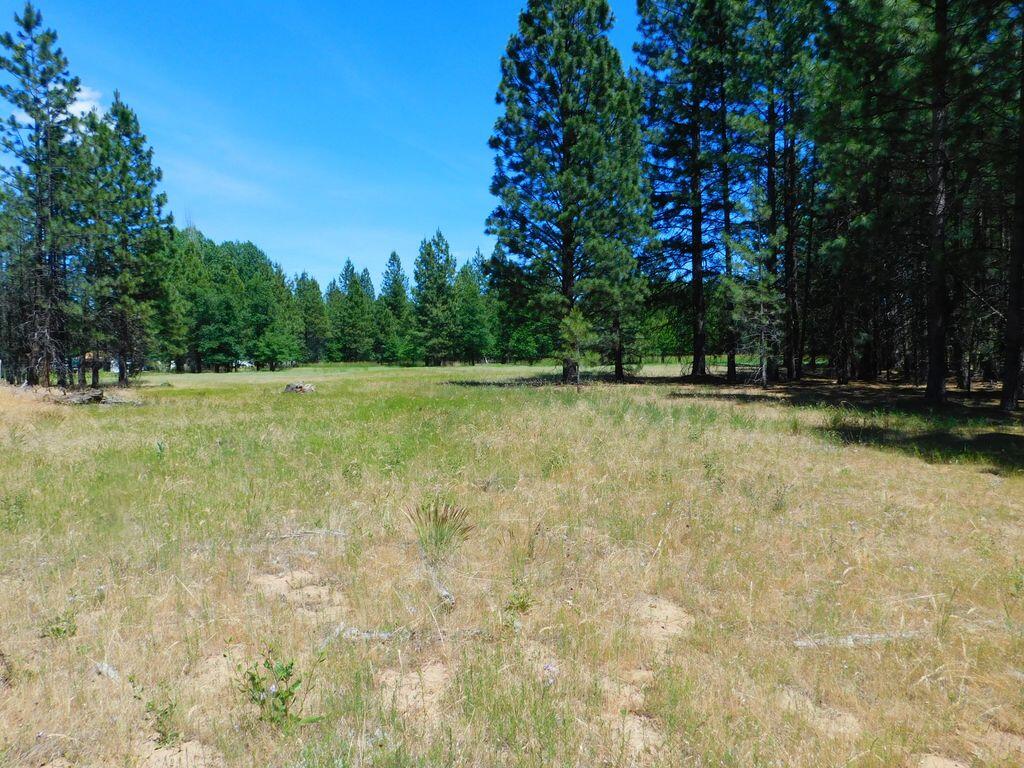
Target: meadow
{"x": 472, "y": 566}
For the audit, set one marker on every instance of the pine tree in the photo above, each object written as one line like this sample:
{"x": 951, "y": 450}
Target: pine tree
{"x": 127, "y": 233}
{"x": 473, "y": 339}
{"x": 45, "y": 176}
{"x": 433, "y": 301}
{"x": 280, "y": 341}
{"x": 312, "y": 313}
{"x": 680, "y": 115}
{"x": 394, "y": 315}
{"x": 567, "y": 166}
{"x": 337, "y": 319}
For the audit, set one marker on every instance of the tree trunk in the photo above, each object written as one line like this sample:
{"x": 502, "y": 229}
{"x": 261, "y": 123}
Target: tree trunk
{"x": 699, "y": 367}
{"x": 1014, "y": 331}
{"x": 726, "y": 179}
{"x": 938, "y": 172}
{"x": 122, "y": 369}
{"x": 789, "y": 254}
{"x": 570, "y": 371}
{"x": 620, "y": 368}
{"x": 805, "y": 301}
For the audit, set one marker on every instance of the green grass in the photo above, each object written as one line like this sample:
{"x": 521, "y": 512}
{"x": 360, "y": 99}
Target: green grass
{"x": 219, "y": 517}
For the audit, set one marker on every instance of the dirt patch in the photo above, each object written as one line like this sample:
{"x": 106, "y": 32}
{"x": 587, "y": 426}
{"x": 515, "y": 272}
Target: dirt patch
{"x": 304, "y": 591}
{"x": 627, "y": 692}
{"x": 661, "y": 620}
{"x": 638, "y": 734}
{"x": 217, "y": 672}
{"x": 1004, "y": 743}
{"x": 417, "y": 692}
{"x": 827, "y": 720}
{"x": 937, "y": 761}
{"x": 191, "y": 754}
{"x": 625, "y": 712}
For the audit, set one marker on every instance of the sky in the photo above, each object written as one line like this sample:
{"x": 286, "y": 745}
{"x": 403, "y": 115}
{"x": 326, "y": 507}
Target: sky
{"x": 341, "y": 130}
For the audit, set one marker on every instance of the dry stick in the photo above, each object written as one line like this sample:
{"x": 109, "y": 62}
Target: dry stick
{"x": 443, "y": 593}
{"x": 353, "y": 634}
{"x": 853, "y": 641}
{"x": 308, "y": 534}
{"x": 356, "y": 635}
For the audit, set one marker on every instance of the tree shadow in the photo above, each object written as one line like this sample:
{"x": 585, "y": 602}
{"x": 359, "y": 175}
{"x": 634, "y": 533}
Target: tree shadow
{"x": 969, "y": 428}
{"x": 1002, "y": 451}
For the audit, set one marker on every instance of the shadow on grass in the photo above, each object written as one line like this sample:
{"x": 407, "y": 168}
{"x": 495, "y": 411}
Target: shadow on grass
{"x": 969, "y": 428}
{"x": 1002, "y": 451}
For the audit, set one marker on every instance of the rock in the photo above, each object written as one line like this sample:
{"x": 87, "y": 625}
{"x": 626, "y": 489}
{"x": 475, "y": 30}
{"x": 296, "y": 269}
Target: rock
{"x": 299, "y": 388}
{"x": 78, "y": 397}
{"x": 102, "y": 669}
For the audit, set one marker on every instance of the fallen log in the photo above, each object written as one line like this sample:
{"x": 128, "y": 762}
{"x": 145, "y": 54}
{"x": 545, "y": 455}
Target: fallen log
{"x": 853, "y": 641}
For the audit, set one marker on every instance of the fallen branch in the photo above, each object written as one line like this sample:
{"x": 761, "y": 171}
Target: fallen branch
{"x": 853, "y": 641}
{"x": 307, "y": 534}
{"x": 356, "y": 635}
{"x": 443, "y": 593}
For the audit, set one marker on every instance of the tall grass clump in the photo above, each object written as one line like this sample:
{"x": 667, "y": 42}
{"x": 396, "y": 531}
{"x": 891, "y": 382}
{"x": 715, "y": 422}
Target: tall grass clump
{"x": 440, "y": 527}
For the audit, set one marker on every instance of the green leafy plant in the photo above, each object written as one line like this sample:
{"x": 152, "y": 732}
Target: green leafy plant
{"x": 520, "y": 601}
{"x": 273, "y": 685}
{"x": 61, "y": 626}
{"x": 440, "y": 527}
{"x": 164, "y": 713}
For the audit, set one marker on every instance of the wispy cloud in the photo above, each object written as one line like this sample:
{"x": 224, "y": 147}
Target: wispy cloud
{"x": 208, "y": 181}
{"x": 89, "y": 100}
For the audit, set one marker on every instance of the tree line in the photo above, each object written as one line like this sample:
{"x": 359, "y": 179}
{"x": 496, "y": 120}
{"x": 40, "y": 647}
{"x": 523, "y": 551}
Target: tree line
{"x": 796, "y": 182}
{"x": 786, "y": 184}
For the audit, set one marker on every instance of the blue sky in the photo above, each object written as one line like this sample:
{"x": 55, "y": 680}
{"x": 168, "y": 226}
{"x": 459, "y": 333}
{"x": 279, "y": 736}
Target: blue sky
{"x": 342, "y": 130}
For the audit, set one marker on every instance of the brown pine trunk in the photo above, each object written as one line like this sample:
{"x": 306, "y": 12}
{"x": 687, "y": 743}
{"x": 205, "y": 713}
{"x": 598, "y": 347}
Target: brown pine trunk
{"x": 699, "y": 367}
{"x": 726, "y": 178}
{"x": 620, "y": 367}
{"x": 789, "y": 254}
{"x": 122, "y": 369}
{"x": 805, "y": 302}
{"x": 938, "y": 172}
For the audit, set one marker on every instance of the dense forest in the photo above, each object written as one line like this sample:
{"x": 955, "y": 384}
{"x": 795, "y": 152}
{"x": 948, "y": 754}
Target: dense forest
{"x": 789, "y": 185}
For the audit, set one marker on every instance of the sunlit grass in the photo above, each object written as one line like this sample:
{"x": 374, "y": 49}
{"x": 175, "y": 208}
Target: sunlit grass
{"x": 221, "y": 517}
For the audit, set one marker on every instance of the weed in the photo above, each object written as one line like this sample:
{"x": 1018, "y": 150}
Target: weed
{"x": 164, "y": 713}
{"x": 1017, "y": 581}
{"x": 273, "y": 686}
{"x": 440, "y": 527}
{"x": 520, "y": 601}
{"x": 60, "y": 627}
{"x": 12, "y": 511}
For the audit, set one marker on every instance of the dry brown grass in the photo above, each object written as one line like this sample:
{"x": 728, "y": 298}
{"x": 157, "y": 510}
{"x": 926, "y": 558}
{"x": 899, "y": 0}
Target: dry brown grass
{"x": 641, "y": 561}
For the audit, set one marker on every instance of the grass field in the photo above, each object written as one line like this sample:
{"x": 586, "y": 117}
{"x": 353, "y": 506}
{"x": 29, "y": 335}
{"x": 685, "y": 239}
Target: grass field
{"x": 652, "y": 574}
